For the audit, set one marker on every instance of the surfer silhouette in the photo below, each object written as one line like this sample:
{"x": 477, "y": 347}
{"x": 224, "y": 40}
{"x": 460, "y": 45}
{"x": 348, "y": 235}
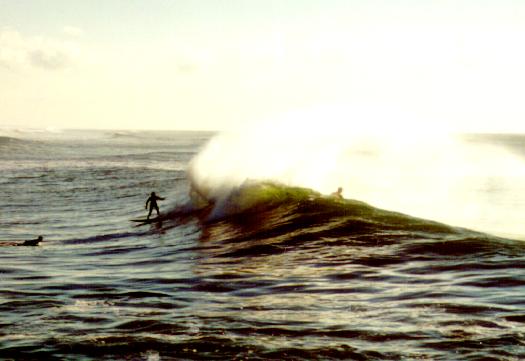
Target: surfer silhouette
{"x": 32, "y": 242}
{"x": 338, "y": 194}
{"x": 152, "y": 200}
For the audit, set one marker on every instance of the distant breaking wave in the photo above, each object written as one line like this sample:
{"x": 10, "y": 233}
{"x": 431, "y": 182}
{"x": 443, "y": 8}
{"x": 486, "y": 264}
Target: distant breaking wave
{"x": 10, "y": 140}
{"x": 12, "y": 145}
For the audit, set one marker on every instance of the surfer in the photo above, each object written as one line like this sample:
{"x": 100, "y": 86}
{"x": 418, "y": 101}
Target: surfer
{"x": 338, "y": 194}
{"x": 152, "y": 200}
{"x": 32, "y": 242}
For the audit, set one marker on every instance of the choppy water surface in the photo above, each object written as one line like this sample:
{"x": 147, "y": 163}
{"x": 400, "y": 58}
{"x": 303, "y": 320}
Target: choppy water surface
{"x": 295, "y": 276}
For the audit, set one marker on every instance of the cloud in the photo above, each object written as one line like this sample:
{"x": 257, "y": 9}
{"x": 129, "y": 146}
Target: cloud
{"x": 47, "y": 59}
{"x": 18, "y": 51}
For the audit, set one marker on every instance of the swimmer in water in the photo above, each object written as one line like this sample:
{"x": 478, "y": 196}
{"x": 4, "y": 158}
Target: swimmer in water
{"x": 32, "y": 242}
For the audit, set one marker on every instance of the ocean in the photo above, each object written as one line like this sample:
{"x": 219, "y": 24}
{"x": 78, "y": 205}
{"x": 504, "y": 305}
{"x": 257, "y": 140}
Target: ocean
{"x": 272, "y": 270}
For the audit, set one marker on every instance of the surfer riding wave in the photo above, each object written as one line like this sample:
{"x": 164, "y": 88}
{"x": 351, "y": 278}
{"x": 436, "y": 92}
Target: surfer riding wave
{"x": 152, "y": 200}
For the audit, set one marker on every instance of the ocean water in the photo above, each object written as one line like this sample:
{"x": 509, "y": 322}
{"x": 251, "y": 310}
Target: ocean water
{"x": 270, "y": 271}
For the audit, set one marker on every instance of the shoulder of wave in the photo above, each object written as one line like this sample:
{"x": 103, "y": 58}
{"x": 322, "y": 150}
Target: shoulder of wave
{"x": 390, "y": 220}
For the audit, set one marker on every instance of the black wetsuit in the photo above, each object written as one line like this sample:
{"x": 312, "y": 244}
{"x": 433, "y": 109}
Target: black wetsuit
{"x": 32, "y": 242}
{"x": 152, "y": 200}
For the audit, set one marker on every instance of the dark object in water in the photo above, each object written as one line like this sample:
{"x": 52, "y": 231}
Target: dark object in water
{"x": 32, "y": 242}
{"x": 146, "y": 220}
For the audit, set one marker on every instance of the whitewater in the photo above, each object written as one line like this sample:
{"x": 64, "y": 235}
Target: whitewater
{"x": 253, "y": 259}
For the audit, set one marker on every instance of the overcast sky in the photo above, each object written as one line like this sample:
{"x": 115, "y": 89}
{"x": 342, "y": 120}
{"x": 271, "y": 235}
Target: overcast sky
{"x": 184, "y": 64}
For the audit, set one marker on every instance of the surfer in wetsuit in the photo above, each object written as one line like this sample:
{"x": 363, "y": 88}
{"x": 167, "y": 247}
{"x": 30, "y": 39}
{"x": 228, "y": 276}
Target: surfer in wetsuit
{"x": 32, "y": 242}
{"x": 152, "y": 200}
{"x": 338, "y": 194}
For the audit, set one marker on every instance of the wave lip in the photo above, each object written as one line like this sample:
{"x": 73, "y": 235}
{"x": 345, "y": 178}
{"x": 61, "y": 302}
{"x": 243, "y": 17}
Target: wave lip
{"x": 253, "y": 196}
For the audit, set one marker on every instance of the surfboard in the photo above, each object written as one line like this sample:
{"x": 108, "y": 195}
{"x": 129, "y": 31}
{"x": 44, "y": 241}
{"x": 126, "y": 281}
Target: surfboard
{"x": 18, "y": 243}
{"x": 10, "y": 243}
{"x": 145, "y": 220}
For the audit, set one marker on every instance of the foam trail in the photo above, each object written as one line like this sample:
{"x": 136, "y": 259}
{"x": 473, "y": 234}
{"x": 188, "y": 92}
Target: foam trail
{"x": 398, "y": 165}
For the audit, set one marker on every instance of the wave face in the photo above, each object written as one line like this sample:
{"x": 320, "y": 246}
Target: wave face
{"x": 263, "y": 271}
{"x": 281, "y": 214}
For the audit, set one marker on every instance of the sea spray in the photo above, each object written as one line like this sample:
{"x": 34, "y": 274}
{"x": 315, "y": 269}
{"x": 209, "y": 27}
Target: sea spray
{"x": 385, "y": 158}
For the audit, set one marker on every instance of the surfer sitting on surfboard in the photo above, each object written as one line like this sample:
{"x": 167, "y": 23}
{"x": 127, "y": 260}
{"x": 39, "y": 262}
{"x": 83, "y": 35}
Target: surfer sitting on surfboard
{"x": 152, "y": 200}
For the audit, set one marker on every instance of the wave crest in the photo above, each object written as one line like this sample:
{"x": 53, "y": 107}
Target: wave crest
{"x": 263, "y": 203}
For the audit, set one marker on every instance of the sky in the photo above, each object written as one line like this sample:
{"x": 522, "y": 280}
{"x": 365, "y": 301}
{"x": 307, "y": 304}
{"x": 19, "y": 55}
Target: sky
{"x": 208, "y": 64}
